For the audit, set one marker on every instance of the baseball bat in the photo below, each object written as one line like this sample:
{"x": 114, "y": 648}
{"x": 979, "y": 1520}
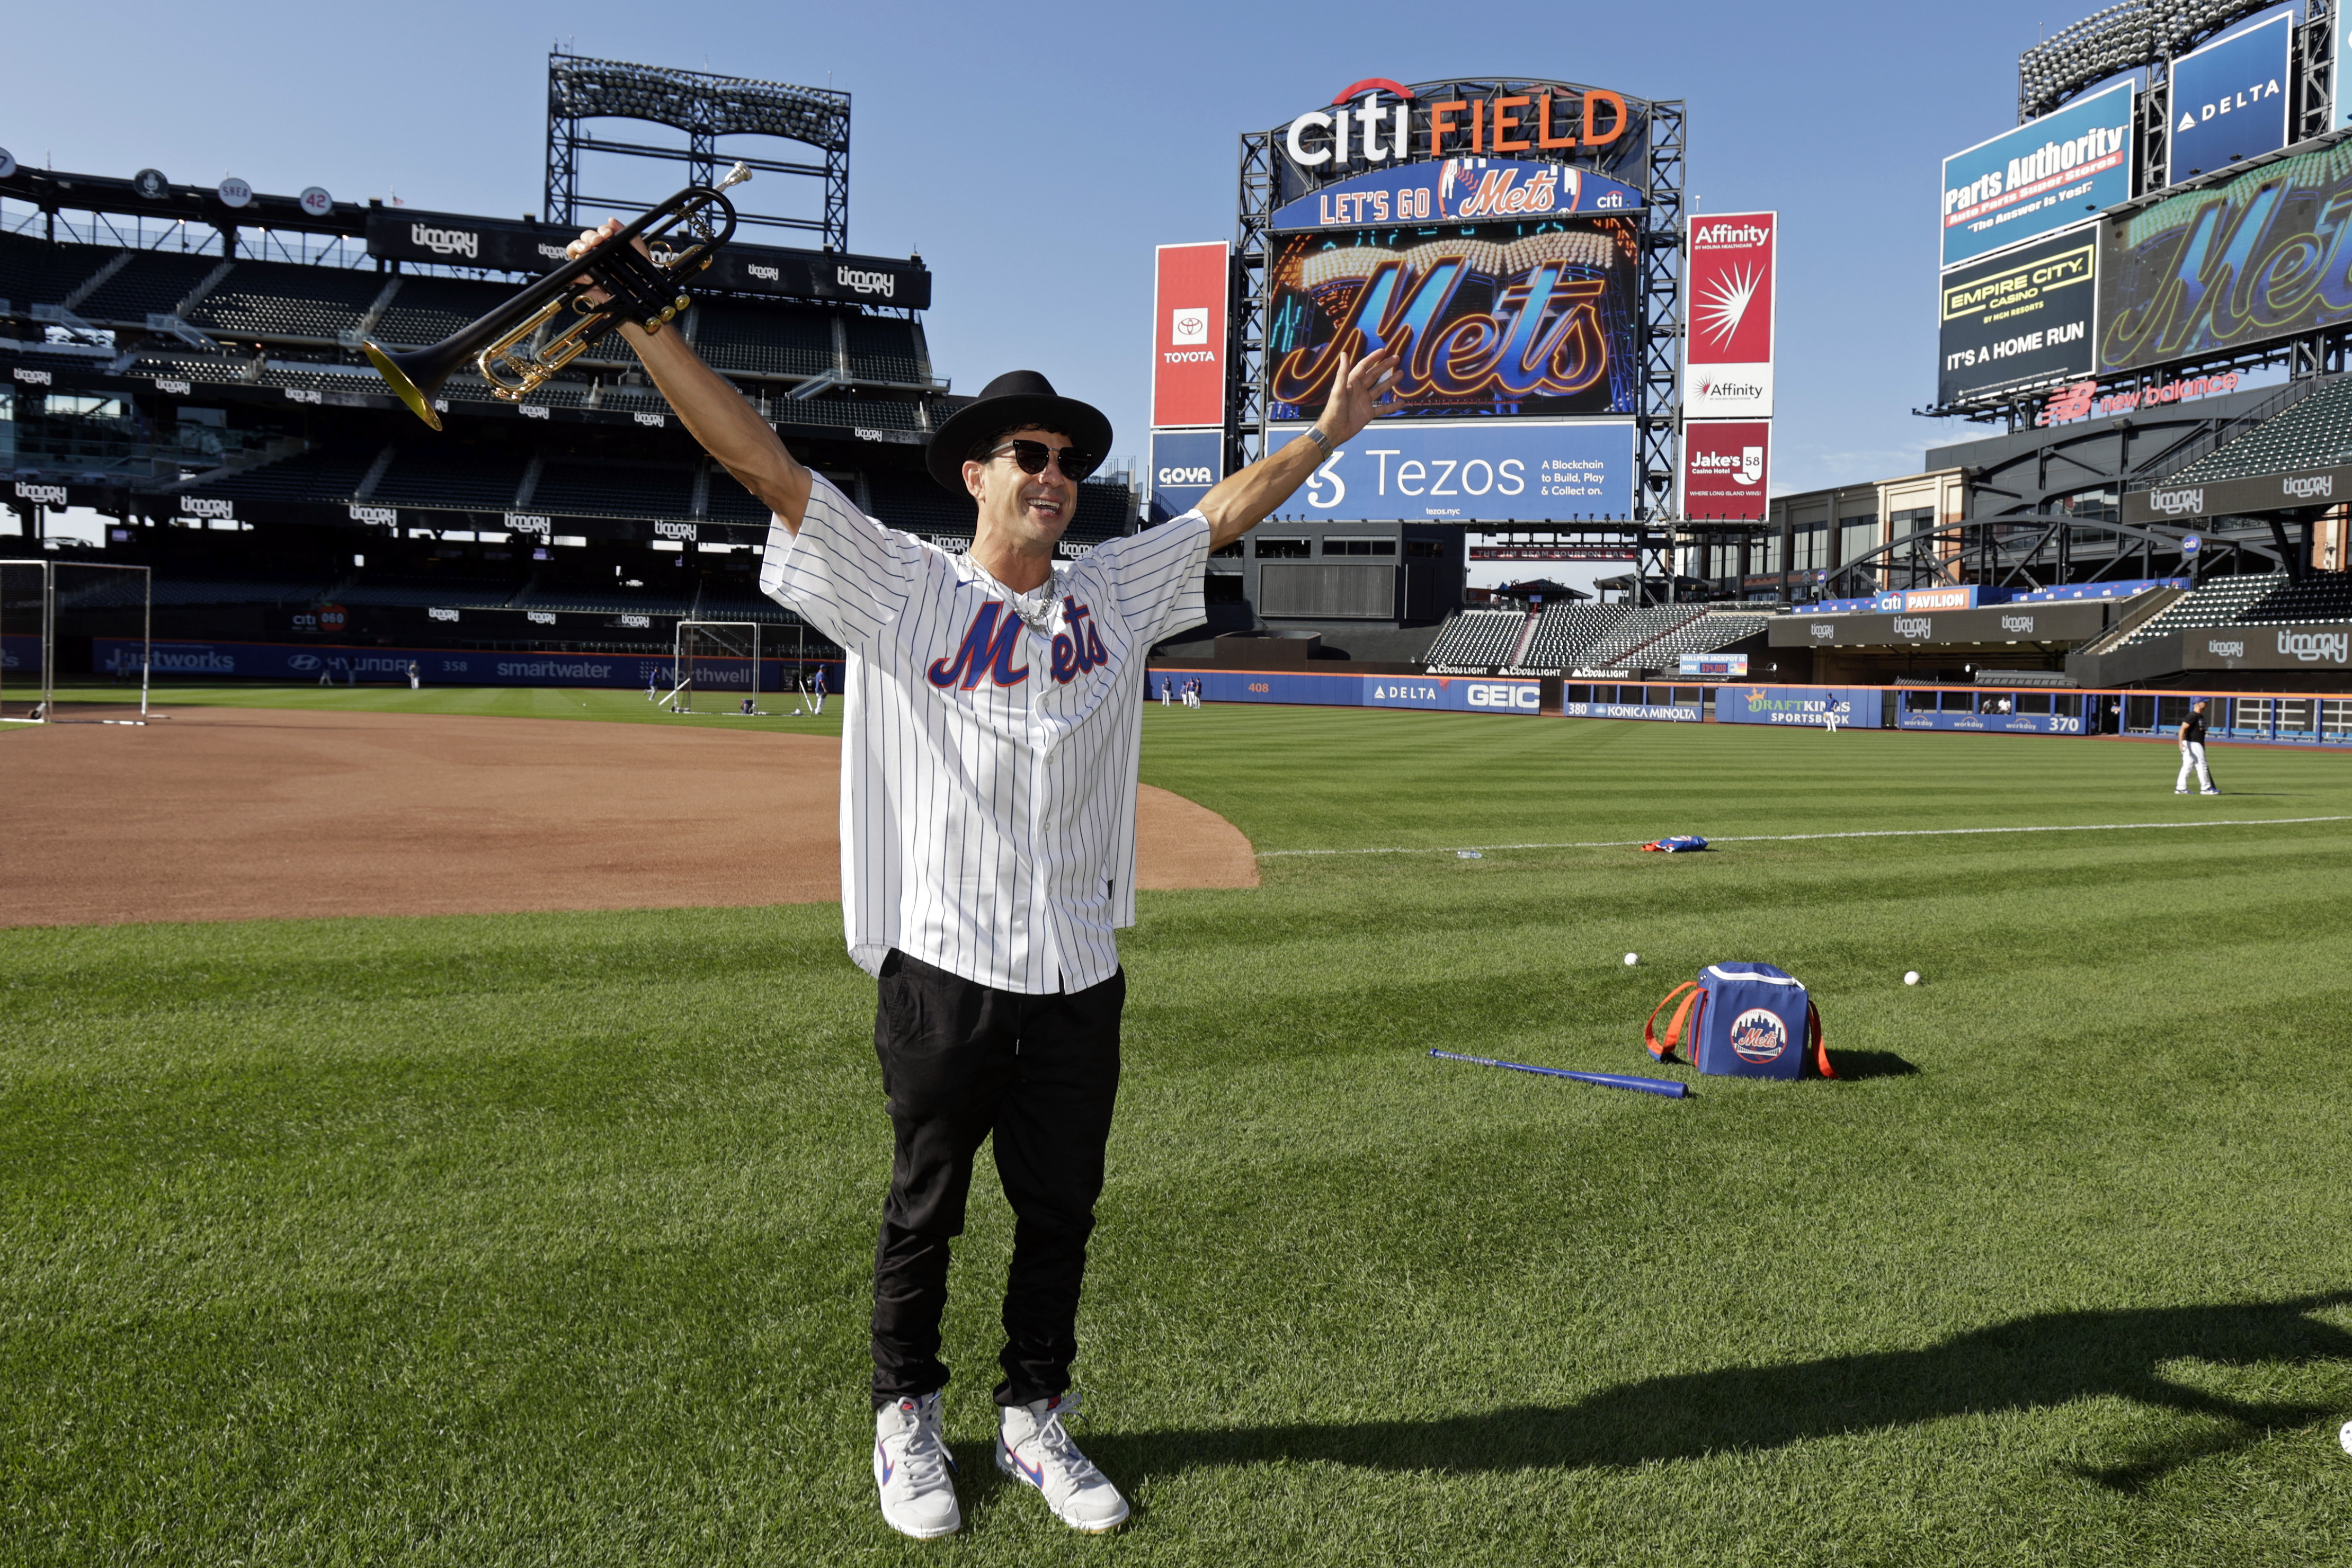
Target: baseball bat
{"x": 1670, "y": 1087}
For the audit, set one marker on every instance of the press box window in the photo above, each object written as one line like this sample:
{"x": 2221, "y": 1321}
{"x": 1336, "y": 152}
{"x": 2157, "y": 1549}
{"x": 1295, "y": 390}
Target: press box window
{"x": 1222, "y": 588}
{"x": 1360, "y": 547}
{"x": 1227, "y": 553}
{"x": 1282, "y": 550}
{"x": 1423, "y": 549}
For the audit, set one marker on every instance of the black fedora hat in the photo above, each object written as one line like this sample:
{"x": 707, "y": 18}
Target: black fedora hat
{"x": 1013, "y": 400}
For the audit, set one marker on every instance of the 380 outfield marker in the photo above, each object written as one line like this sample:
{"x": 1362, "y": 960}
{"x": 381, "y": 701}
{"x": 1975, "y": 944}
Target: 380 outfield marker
{"x": 1669, "y": 1088}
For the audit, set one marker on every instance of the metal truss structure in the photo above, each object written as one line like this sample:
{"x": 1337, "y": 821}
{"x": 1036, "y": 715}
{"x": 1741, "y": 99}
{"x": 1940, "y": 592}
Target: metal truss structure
{"x": 1651, "y": 158}
{"x": 2040, "y": 550}
{"x": 705, "y": 107}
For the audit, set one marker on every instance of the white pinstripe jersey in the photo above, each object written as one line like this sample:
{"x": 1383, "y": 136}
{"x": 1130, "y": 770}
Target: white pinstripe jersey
{"x": 988, "y": 768}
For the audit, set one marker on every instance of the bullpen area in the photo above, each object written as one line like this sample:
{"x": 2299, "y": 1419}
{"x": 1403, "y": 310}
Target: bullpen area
{"x": 543, "y": 1231}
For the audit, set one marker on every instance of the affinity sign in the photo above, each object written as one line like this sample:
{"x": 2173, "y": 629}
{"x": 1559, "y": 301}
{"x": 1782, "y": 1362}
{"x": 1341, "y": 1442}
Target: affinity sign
{"x": 1729, "y": 356}
{"x": 2049, "y": 173}
{"x": 1470, "y": 471}
{"x": 1188, "y": 335}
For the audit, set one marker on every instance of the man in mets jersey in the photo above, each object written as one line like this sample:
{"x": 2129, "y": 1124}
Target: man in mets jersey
{"x": 994, "y": 710}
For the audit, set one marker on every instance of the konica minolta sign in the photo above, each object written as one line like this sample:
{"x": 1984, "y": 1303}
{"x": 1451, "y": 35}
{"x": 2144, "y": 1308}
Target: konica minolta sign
{"x": 2189, "y": 503}
{"x": 506, "y": 245}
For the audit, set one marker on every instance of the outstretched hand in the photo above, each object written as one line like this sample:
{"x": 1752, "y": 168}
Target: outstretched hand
{"x": 590, "y": 238}
{"x": 1356, "y": 390}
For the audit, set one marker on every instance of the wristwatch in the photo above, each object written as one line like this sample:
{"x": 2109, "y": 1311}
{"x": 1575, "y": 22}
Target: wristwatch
{"x": 1315, "y": 434}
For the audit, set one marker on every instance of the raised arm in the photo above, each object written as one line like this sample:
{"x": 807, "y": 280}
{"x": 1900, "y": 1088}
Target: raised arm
{"x": 718, "y": 416}
{"x": 1239, "y": 503}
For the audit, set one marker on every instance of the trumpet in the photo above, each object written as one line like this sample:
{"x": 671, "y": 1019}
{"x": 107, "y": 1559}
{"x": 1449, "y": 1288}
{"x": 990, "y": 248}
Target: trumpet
{"x": 648, "y": 290}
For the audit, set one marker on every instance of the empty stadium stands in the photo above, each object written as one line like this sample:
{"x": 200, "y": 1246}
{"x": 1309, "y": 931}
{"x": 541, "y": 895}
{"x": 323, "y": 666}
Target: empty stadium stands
{"x": 281, "y": 299}
{"x": 2221, "y": 602}
{"x": 149, "y": 281}
{"x": 595, "y": 488}
{"x": 1705, "y": 634}
{"x": 885, "y": 349}
{"x": 1565, "y": 631}
{"x": 1476, "y": 639}
{"x": 764, "y": 342}
{"x": 1637, "y": 630}
{"x": 445, "y": 474}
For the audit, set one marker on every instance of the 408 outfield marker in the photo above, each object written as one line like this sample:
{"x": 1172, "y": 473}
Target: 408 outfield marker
{"x": 1669, "y": 1088}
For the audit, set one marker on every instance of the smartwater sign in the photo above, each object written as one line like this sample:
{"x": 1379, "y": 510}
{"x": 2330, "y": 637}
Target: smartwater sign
{"x": 2228, "y": 99}
{"x": 2048, "y": 174}
{"x": 1469, "y": 471}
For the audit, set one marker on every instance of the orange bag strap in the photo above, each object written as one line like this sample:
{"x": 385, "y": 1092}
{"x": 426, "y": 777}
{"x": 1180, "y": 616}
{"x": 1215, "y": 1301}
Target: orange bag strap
{"x": 1663, "y": 1049}
{"x": 1819, "y": 1046}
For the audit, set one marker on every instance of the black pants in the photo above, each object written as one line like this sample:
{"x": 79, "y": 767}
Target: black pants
{"x": 960, "y": 1061}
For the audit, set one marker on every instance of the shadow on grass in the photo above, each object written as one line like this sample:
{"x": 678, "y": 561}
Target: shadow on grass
{"x": 1854, "y": 1066}
{"x": 2033, "y": 1364}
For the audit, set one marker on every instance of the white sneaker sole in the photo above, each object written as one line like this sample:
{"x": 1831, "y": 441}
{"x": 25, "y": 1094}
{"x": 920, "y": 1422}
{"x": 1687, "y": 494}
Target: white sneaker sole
{"x": 934, "y": 1533}
{"x": 1006, "y": 1463}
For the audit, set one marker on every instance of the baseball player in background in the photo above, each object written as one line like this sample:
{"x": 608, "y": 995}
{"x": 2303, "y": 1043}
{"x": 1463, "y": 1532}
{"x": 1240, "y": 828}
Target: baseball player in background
{"x": 2193, "y": 752}
{"x": 816, "y": 692}
{"x": 988, "y": 757}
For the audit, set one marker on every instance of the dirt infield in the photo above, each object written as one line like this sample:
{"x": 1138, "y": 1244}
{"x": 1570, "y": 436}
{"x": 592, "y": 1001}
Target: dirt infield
{"x": 243, "y": 814}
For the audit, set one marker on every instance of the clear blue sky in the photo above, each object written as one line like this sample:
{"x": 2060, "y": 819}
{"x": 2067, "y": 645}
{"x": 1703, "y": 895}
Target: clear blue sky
{"x": 1037, "y": 154}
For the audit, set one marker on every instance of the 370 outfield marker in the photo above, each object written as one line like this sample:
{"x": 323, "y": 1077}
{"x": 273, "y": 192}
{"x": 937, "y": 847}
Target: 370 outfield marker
{"x": 1667, "y": 1087}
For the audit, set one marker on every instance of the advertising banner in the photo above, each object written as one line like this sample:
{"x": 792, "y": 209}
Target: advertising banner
{"x": 1994, "y": 723}
{"x": 1726, "y": 465}
{"x": 1457, "y": 190}
{"x": 1917, "y": 599}
{"x": 1431, "y": 693}
{"x": 2295, "y": 490}
{"x": 1469, "y": 471}
{"x": 1656, "y": 712}
{"x": 2047, "y": 175}
{"x": 2072, "y": 622}
{"x": 1859, "y": 706}
{"x": 455, "y": 239}
{"x": 2264, "y": 256}
{"x": 1188, "y": 334}
{"x": 436, "y": 666}
{"x": 1532, "y": 318}
{"x": 1727, "y": 666}
{"x": 2230, "y": 98}
{"x": 2021, "y": 321}
{"x": 1728, "y": 345}
{"x": 1185, "y": 465}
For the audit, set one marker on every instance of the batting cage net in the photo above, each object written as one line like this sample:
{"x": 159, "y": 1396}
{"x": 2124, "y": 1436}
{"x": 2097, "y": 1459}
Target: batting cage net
{"x": 75, "y": 641}
{"x": 717, "y": 667}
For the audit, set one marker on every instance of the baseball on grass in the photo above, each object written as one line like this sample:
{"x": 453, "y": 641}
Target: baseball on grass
{"x": 1631, "y": 959}
{"x": 1910, "y": 977}
{"x": 2345, "y": 1436}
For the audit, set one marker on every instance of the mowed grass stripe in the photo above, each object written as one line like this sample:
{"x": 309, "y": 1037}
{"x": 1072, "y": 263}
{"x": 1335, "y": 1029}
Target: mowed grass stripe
{"x": 475, "y": 1240}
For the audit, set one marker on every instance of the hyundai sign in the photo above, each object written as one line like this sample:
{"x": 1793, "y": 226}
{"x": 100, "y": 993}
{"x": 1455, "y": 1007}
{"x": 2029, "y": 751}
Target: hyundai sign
{"x": 1469, "y": 471}
{"x": 2046, "y": 174}
{"x": 2228, "y": 99}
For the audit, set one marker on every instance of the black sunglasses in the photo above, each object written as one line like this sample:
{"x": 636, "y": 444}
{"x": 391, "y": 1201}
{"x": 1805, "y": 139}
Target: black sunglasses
{"x": 1033, "y": 456}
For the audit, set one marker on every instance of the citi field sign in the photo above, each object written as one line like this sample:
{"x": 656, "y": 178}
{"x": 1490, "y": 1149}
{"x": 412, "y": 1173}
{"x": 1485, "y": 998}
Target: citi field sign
{"x": 1378, "y": 120}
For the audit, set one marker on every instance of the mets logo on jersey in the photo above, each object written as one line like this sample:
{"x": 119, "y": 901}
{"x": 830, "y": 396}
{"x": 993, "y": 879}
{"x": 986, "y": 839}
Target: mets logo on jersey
{"x": 1758, "y": 1035}
{"x": 993, "y": 638}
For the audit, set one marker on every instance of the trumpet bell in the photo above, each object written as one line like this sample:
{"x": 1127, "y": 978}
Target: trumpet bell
{"x": 396, "y": 369}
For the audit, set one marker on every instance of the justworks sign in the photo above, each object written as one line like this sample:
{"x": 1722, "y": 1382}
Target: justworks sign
{"x": 1378, "y": 120}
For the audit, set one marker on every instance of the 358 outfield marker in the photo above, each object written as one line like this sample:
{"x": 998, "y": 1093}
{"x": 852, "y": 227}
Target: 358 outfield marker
{"x": 1667, "y": 1087}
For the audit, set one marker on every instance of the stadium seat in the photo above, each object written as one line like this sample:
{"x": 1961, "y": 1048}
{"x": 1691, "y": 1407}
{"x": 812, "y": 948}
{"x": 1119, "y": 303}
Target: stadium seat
{"x": 153, "y": 281}
{"x": 281, "y": 300}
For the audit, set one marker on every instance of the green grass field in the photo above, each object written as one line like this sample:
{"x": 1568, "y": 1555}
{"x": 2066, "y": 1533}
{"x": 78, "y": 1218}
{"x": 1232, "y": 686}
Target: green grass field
{"x": 546, "y": 1240}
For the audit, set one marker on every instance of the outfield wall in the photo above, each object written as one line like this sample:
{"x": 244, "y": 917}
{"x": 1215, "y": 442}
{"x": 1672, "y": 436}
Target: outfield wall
{"x": 1434, "y": 693}
{"x": 435, "y": 666}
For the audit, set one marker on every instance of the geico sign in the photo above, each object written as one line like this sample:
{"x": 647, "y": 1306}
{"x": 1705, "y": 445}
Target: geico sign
{"x": 1499, "y": 694}
{"x": 41, "y": 495}
{"x": 1378, "y": 129}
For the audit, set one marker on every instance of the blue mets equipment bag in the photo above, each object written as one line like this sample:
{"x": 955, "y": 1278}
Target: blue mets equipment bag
{"x": 1742, "y": 1020}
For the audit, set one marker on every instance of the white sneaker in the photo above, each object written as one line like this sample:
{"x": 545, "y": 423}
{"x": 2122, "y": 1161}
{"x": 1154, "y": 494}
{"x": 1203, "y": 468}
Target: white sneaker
{"x": 1033, "y": 1447}
{"x": 2209, "y": 792}
{"x": 914, "y": 1471}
